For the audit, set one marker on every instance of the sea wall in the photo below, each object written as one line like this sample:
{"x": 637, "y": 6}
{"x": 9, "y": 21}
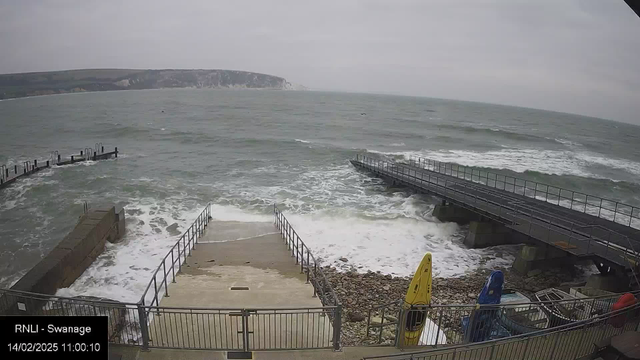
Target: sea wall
{"x": 71, "y": 257}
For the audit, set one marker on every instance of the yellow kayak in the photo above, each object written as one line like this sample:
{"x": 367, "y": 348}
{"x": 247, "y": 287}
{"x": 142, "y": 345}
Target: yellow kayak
{"x": 419, "y": 293}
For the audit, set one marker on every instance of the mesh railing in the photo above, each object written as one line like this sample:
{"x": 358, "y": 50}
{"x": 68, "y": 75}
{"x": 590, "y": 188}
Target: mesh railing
{"x": 567, "y": 342}
{"x": 458, "y": 324}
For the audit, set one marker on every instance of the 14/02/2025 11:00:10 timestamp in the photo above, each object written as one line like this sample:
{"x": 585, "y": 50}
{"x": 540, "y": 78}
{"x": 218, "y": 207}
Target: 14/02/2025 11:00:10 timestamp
{"x": 40, "y": 337}
{"x": 29, "y": 347}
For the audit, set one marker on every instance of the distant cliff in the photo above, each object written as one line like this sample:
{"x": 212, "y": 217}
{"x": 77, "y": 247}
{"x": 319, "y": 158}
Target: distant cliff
{"x": 59, "y": 82}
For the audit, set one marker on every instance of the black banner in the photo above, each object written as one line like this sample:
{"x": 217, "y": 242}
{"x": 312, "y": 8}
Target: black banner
{"x": 54, "y": 337}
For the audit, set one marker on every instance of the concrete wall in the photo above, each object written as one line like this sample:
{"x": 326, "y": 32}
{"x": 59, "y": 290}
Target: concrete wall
{"x": 73, "y": 255}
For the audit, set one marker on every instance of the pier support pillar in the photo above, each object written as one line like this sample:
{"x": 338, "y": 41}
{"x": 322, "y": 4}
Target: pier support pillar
{"x": 483, "y": 234}
{"x": 540, "y": 257}
{"x": 452, "y": 213}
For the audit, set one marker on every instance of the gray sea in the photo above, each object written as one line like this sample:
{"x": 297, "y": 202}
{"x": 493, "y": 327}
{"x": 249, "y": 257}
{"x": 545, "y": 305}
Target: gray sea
{"x": 244, "y": 150}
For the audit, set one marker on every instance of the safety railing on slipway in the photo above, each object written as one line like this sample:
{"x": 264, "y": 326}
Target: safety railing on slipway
{"x": 446, "y": 325}
{"x": 313, "y": 270}
{"x": 308, "y": 263}
{"x": 566, "y": 342}
{"x": 241, "y": 329}
{"x": 608, "y": 209}
{"x": 593, "y": 239}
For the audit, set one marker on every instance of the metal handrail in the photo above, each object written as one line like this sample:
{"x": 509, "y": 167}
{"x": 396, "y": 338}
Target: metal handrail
{"x": 188, "y": 240}
{"x": 441, "y": 167}
{"x": 299, "y": 250}
{"x": 313, "y": 271}
{"x": 614, "y": 296}
{"x": 522, "y": 337}
{"x": 447, "y": 186}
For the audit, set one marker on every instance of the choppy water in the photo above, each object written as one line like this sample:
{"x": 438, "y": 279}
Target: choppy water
{"x": 245, "y": 150}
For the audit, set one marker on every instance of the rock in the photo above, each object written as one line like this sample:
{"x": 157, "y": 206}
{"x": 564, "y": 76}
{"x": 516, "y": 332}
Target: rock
{"x": 390, "y": 318}
{"x": 343, "y": 259}
{"x": 388, "y": 335}
{"x": 212, "y": 260}
{"x": 386, "y": 287}
{"x": 534, "y": 272}
{"x": 471, "y": 295}
{"x": 173, "y": 229}
{"x": 355, "y": 317}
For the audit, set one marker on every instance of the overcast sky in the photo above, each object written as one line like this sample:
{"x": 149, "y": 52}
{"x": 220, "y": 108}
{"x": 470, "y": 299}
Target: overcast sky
{"x": 578, "y": 56}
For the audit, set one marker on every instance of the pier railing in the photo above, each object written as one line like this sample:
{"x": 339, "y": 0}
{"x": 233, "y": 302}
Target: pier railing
{"x": 608, "y": 209}
{"x": 313, "y": 270}
{"x": 567, "y": 342}
{"x": 459, "y": 324}
{"x": 174, "y": 259}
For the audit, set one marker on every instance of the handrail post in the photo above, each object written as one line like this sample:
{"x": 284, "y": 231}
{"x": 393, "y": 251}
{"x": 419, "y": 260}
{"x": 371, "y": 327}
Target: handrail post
{"x": 315, "y": 270}
{"x": 184, "y": 249}
{"x": 155, "y": 288}
{"x": 438, "y": 330}
{"x": 180, "y": 257}
{"x": 142, "y": 319}
{"x": 173, "y": 268}
{"x": 301, "y": 251}
{"x": 308, "y": 265}
{"x": 164, "y": 277}
{"x": 337, "y": 327}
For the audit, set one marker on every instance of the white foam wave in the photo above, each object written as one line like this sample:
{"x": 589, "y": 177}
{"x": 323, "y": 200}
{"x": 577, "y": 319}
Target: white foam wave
{"x": 231, "y": 213}
{"x": 303, "y": 141}
{"x": 15, "y": 194}
{"x": 123, "y": 270}
{"x": 397, "y": 144}
{"x": 341, "y": 212}
{"x": 394, "y": 246}
{"x": 566, "y": 142}
{"x": 79, "y": 163}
